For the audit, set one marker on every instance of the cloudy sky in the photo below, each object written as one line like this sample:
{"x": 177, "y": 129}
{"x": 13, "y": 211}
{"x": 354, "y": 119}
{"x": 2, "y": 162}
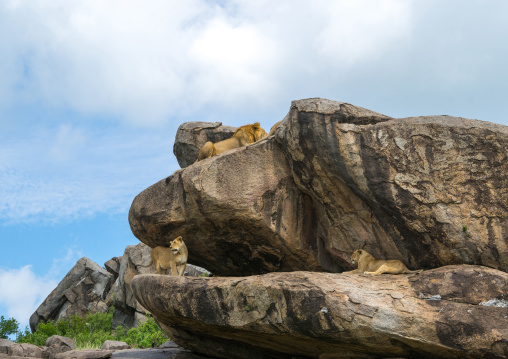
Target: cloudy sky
{"x": 92, "y": 92}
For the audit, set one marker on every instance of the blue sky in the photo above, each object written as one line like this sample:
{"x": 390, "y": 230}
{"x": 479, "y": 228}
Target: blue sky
{"x": 92, "y": 93}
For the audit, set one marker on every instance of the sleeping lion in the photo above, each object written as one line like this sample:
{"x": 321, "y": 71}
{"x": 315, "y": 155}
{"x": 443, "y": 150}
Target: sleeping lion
{"x": 243, "y": 136}
{"x": 369, "y": 265}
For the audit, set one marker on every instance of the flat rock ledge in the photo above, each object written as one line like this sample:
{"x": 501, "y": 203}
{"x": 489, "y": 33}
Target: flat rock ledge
{"x": 440, "y": 313}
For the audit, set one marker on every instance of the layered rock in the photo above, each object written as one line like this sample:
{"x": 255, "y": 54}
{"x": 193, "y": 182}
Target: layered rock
{"x": 429, "y": 191}
{"x": 82, "y": 290}
{"x": 436, "y": 314}
{"x": 191, "y": 136}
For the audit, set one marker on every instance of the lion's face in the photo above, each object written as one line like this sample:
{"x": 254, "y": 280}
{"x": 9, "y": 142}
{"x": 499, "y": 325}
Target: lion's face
{"x": 251, "y": 133}
{"x": 176, "y": 244}
{"x": 356, "y": 255}
{"x": 259, "y": 134}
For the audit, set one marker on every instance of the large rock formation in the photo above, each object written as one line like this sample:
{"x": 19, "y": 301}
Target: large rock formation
{"x": 430, "y": 191}
{"x": 81, "y": 291}
{"x": 88, "y": 288}
{"x": 191, "y": 136}
{"x": 436, "y": 314}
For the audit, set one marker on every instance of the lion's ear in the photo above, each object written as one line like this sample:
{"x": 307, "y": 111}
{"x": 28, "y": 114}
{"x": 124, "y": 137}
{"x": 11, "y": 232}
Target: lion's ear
{"x": 360, "y": 251}
{"x": 256, "y": 125}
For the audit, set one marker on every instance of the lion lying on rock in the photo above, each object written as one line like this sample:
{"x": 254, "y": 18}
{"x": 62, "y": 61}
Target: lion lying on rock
{"x": 174, "y": 258}
{"x": 369, "y": 265}
{"x": 243, "y": 136}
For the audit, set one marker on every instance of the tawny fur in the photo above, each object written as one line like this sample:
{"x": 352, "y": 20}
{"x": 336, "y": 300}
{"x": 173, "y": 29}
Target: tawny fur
{"x": 369, "y": 265}
{"x": 174, "y": 258}
{"x": 243, "y": 136}
{"x": 276, "y": 126}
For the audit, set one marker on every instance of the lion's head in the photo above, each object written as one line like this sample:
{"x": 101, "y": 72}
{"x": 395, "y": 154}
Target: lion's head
{"x": 356, "y": 255}
{"x": 176, "y": 244}
{"x": 251, "y": 133}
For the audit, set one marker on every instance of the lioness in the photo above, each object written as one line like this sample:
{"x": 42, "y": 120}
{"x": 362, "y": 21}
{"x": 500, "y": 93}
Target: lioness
{"x": 243, "y": 136}
{"x": 174, "y": 257}
{"x": 369, "y": 265}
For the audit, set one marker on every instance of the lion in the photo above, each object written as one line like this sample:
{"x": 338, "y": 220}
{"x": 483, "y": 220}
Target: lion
{"x": 174, "y": 258}
{"x": 369, "y": 265}
{"x": 276, "y": 126}
{"x": 243, "y": 136}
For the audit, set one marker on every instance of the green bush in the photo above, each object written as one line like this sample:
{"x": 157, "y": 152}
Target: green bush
{"x": 93, "y": 330}
{"x": 8, "y": 327}
{"x": 146, "y": 335}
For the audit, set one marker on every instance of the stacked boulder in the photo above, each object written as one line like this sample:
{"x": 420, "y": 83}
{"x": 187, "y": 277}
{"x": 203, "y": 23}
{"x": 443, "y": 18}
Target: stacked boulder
{"x": 82, "y": 290}
{"x": 429, "y": 191}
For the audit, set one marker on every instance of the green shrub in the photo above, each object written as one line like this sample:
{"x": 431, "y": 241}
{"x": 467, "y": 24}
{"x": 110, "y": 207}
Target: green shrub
{"x": 8, "y": 327}
{"x": 146, "y": 335}
{"x": 93, "y": 330}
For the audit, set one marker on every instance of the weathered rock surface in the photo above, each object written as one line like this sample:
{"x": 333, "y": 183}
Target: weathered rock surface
{"x": 191, "y": 136}
{"x": 429, "y": 191}
{"x": 168, "y": 350}
{"x": 113, "y": 266}
{"x": 24, "y": 350}
{"x": 327, "y": 315}
{"x": 57, "y": 344}
{"x": 171, "y": 351}
{"x": 85, "y": 354}
{"x": 136, "y": 260}
{"x": 115, "y": 345}
{"x": 82, "y": 290}
{"x": 4, "y": 345}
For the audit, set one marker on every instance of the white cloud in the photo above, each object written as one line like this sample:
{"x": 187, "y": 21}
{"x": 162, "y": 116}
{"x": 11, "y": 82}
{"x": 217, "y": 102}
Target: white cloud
{"x": 51, "y": 175}
{"x": 150, "y": 61}
{"x": 22, "y": 291}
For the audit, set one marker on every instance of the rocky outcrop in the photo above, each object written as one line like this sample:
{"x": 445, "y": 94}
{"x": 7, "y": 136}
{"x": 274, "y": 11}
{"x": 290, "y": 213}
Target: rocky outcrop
{"x": 136, "y": 260}
{"x": 113, "y": 266}
{"x": 114, "y": 345}
{"x": 430, "y": 191}
{"x": 88, "y": 288}
{"x": 436, "y": 314}
{"x": 191, "y": 136}
{"x": 57, "y": 344}
{"x": 4, "y": 345}
{"x": 82, "y": 291}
